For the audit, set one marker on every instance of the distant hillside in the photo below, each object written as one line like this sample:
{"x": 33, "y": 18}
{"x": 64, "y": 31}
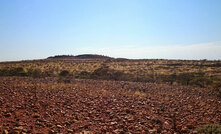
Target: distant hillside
{"x": 83, "y": 56}
{"x": 61, "y": 57}
{"x": 92, "y": 56}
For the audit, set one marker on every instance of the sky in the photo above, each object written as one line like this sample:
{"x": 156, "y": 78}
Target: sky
{"x": 145, "y": 29}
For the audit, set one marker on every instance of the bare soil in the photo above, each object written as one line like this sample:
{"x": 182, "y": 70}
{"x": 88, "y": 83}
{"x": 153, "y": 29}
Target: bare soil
{"x": 43, "y": 105}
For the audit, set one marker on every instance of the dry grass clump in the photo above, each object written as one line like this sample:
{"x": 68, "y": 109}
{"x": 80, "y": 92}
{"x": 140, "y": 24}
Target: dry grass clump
{"x": 209, "y": 129}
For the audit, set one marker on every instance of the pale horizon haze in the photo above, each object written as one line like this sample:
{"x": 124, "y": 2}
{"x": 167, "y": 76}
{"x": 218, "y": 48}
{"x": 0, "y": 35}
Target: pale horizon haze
{"x": 136, "y": 29}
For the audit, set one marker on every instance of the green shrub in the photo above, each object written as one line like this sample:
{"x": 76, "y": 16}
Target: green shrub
{"x": 18, "y": 71}
{"x": 34, "y": 72}
{"x": 167, "y": 78}
{"x": 64, "y": 73}
{"x": 209, "y": 129}
{"x": 185, "y": 78}
{"x": 200, "y": 81}
{"x": 3, "y": 72}
{"x": 84, "y": 75}
{"x": 64, "y": 77}
{"x": 110, "y": 74}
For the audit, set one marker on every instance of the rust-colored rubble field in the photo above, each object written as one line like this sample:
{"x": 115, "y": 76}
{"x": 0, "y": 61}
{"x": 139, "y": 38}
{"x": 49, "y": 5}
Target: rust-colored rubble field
{"x": 44, "y": 105}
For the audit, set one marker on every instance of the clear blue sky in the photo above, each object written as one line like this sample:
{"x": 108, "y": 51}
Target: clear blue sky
{"x": 33, "y": 29}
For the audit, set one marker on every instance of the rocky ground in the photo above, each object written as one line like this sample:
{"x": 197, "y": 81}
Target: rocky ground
{"x": 44, "y": 105}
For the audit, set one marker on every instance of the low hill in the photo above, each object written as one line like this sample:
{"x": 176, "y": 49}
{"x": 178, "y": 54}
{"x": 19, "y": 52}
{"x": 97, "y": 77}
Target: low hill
{"x": 92, "y": 56}
{"x": 61, "y": 57}
{"x": 83, "y": 56}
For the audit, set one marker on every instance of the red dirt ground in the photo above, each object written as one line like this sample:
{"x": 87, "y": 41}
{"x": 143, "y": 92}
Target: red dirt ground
{"x": 43, "y": 105}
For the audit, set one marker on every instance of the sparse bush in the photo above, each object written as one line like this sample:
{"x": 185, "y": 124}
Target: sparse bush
{"x": 185, "y": 78}
{"x": 18, "y": 71}
{"x": 209, "y": 129}
{"x": 109, "y": 74}
{"x": 197, "y": 79}
{"x": 3, "y": 72}
{"x": 217, "y": 88}
{"x": 102, "y": 73}
{"x": 84, "y": 75}
{"x": 199, "y": 73}
{"x": 34, "y": 72}
{"x": 64, "y": 73}
{"x": 167, "y": 78}
{"x": 200, "y": 81}
{"x": 64, "y": 77}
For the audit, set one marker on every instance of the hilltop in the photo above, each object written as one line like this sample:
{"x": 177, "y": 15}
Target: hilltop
{"x": 82, "y": 56}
